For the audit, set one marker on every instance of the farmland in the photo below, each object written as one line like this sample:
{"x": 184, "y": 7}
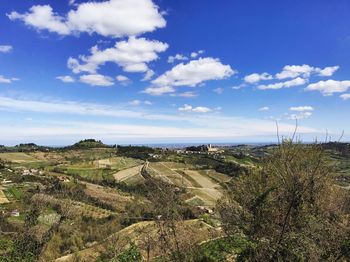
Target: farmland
{"x": 83, "y": 200}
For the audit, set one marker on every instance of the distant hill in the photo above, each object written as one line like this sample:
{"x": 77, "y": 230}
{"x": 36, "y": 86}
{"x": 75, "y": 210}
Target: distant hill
{"x": 89, "y": 143}
{"x": 26, "y": 147}
{"x": 341, "y": 148}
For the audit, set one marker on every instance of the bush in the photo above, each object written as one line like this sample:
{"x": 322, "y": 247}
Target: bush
{"x": 290, "y": 209}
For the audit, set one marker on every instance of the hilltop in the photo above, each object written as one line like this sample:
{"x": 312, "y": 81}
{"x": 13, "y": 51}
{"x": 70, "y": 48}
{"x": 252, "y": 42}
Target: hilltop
{"x": 89, "y": 143}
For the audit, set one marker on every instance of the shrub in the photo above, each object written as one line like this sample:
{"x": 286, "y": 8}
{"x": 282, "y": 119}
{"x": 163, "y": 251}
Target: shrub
{"x": 290, "y": 209}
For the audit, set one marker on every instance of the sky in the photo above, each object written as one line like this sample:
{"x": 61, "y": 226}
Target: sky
{"x": 173, "y": 71}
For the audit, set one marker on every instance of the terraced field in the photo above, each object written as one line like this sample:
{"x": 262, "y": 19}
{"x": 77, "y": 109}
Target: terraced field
{"x": 73, "y": 208}
{"x": 97, "y": 170}
{"x": 108, "y": 196}
{"x": 204, "y": 184}
{"x": 117, "y": 163}
{"x": 127, "y": 173}
{"x": 162, "y": 171}
{"x": 17, "y": 157}
{"x": 216, "y": 176}
{"x": 139, "y": 232}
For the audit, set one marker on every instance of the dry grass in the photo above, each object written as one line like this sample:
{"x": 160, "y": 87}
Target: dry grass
{"x": 201, "y": 180}
{"x": 117, "y": 163}
{"x": 216, "y": 176}
{"x": 17, "y": 157}
{"x": 72, "y": 208}
{"x": 127, "y": 173}
{"x": 3, "y": 198}
{"x": 207, "y": 195}
{"x": 201, "y": 183}
{"x": 109, "y": 196}
{"x": 137, "y": 233}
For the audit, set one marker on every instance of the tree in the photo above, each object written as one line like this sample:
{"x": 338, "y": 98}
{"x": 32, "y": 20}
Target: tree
{"x": 290, "y": 210}
{"x": 2, "y": 164}
{"x": 174, "y": 238}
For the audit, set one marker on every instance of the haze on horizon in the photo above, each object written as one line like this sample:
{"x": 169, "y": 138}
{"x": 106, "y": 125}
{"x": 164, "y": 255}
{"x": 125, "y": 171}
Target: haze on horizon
{"x": 152, "y": 71}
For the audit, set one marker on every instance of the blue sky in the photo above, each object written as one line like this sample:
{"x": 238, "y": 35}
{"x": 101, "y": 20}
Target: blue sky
{"x": 166, "y": 71}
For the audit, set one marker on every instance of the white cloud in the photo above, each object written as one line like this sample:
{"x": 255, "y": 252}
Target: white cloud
{"x": 329, "y": 87}
{"x": 201, "y": 109}
{"x": 132, "y": 55}
{"x": 71, "y": 2}
{"x": 195, "y": 54}
{"x": 179, "y": 57}
{"x": 42, "y": 17}
{"x": 219, "y": 90}
{"x": 255, "y": 78}
{"x": 5, "y": 80}
{"x": 139, "y": 102}
{"x": 191, "y": 126}
{"x": 265, "y": 108}
{"x": 301, "y": 115}
{"x": 5, "y": 48}
{"x": 114, "y": 18}
{"x": 121, "y": 78}
{"x": 198, "y": 109}
{"x": 304, "y": 112}
{"x": 238, "y": 87}
{"x": 328, "y": 71}
{"x": 294, "y": 82}
{"x": 97, "y": 80}
{"x": 194, "y": 73}
{"x": 185, "y": 108}
{"x": 301, "y": 108}
{"x": 68, "y": 132}
{"x": 157, "y": 91}
{"x": 66, "y": 79}
{"x": 293, "y": 71}
{"x": 345, "y": 96}
{"x": 187, "y": 94}
{"x": 135, "y": 102}
{"x": 148, "y": 76}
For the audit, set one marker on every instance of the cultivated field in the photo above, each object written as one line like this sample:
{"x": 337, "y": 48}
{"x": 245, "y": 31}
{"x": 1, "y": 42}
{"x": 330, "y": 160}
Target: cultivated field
{"x": 17, "y": 157}
{"x": 194, "y": 231}
{"x": 73, "y": 208}
{"x": 109, "y": 196}
{"x": 127, "y": 173}
{"x": 204, "y": 184}
{"x": 117, "y": 163}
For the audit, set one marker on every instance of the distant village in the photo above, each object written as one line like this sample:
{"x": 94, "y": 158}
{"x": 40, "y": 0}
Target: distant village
{"x": 202, "y": 149}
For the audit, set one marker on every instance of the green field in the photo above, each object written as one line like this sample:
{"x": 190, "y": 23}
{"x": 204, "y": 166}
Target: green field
{"x": 14, "y": 192}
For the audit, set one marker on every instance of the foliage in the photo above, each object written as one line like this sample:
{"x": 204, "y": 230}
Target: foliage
{"x": 131, "y": 254}
{"x": 2, "y": 164}
{"x": 138, "y": 152}
{"x": 220, "y": 249}
{"x": 290, "y": 209}
{"x": 15, "y": 192}
{"x": 88, "y": 143}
